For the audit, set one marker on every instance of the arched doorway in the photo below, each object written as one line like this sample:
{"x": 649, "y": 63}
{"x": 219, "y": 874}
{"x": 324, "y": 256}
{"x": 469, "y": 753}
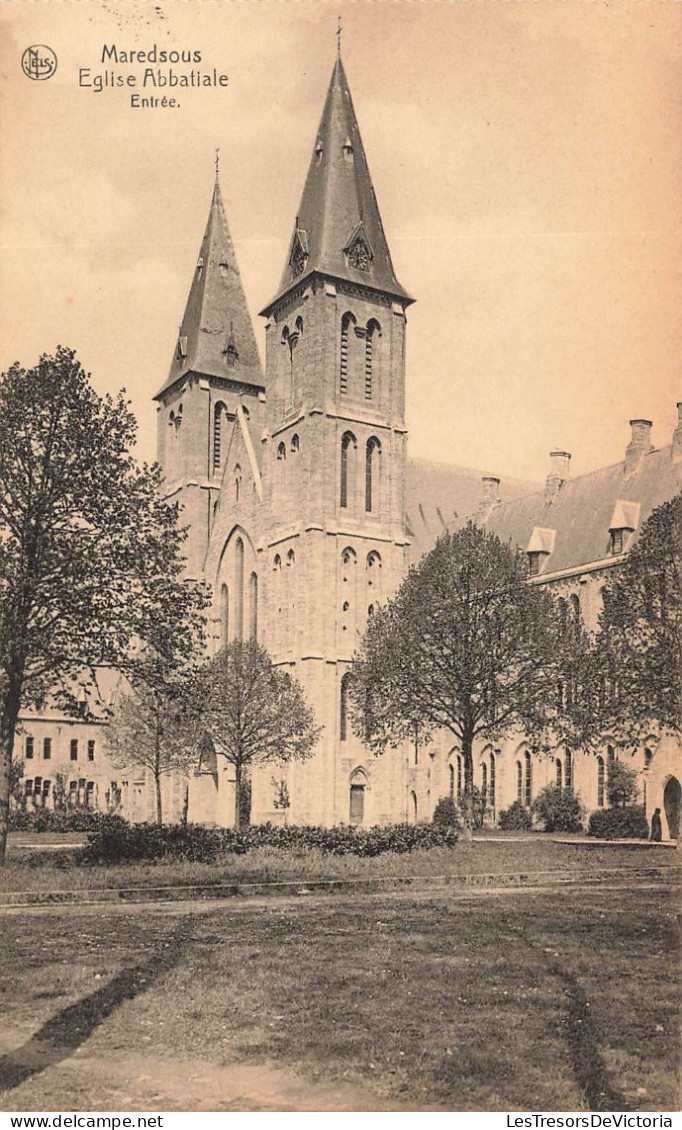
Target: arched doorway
{"x": 672, "y": 796}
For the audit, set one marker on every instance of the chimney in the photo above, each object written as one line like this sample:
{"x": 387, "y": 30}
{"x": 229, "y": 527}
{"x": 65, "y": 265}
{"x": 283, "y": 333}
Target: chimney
{"x": 639, "y": 445}
{"x": 559, "y": 470}
{"x": 490, "y": 498}
{"x": 677, "y": 435}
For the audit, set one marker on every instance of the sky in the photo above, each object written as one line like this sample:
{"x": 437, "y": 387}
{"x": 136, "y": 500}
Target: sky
{"x": 526, "y": 159}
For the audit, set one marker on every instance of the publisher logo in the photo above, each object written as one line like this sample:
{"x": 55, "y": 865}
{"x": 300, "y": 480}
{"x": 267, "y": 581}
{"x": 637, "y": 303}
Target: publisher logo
{"x": 39, "y": 62}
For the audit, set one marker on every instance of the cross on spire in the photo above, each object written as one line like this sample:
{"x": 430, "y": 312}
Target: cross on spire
{"x": 339, "y": 29}
{"x": 217, "y": 161}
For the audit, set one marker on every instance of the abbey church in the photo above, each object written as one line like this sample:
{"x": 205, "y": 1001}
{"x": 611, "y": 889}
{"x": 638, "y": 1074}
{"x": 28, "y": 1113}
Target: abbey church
{"x": 305, "y": 510}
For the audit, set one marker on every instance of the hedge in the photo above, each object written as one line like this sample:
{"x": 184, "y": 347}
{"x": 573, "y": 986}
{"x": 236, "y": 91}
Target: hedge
{"x": 516, "y": 818}
{"x": 118, "y": 842}
{"x": 619, "y": 824}
{"x": 76, "y": 819}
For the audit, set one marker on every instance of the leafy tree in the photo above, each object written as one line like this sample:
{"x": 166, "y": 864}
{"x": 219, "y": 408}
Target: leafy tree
{"x": 622, "y": 785}
{"x": 251, "y": 712}
{"x": 90, "y": 557}
{"x": 466, "y": 644}
{"x": 639, "y": 644}
{"x": 147, "y": 730}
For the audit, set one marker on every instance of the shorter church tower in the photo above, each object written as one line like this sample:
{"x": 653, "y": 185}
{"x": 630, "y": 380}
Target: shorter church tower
{"x": 215, "y": 373}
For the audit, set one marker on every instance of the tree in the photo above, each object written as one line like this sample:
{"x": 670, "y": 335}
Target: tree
{"x": 147, "y": 729}
{"x": 639, "y": 642}
{"x": 622, "y": 785}
{"x": 251, "y": 712}
{"x": 90, "y": 557}
{"x": 466, "y": 644}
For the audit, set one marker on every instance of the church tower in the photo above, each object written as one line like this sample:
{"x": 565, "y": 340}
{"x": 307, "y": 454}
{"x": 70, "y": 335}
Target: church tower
{"x": 333, "y": 459}
{"x": 215, "y": 373}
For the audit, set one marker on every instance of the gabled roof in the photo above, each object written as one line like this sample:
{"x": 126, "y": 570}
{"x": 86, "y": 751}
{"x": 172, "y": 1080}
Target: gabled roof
{"x": 439, "y": 495}
{"x": 582, "y": 512}
{"x": 338, "y": 230}
{"x": 216, "y": 337}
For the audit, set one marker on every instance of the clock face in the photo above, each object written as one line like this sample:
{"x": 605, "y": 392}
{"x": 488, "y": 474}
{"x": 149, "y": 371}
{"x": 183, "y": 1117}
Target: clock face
{"x": 298, "y": 258}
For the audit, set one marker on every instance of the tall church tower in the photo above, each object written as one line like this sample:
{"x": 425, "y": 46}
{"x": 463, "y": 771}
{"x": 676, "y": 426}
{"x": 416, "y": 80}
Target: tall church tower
{"x": 333, "y": 460}
{"x": 215, "y": 373}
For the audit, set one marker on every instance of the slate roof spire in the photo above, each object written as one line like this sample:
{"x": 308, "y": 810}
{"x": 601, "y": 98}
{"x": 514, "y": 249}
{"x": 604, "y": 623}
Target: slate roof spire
{"x": 216, "y": 337}
{"x": 338, "y": 230}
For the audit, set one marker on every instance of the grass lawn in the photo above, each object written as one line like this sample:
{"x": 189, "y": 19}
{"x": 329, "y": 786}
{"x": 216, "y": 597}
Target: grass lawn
{"x": 28, "y": 870}
{"x": 458, "y": 1001}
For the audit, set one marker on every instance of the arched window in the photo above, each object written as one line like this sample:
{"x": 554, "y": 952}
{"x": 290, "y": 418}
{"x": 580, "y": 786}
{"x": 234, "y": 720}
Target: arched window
{"x": 348, "y": 450}
{"x": 491, "y": 787}
{"x": 282, "y": 450}
{"x": 529, "y": 780}
{"x": 253, "y": 595}
{"x": 601, "y": 775}
{"x": 295, "y": 445}
{"x": 372, "y": 335}
{"x": 568, "y": 770}
{"x": 237, "y": 483}
{"x": 451, "y": 781}
{"x": 372, "y": 464}
{"x": 239, "y": 588}
{"x": 358, "y": 783}
{"x": 224, "y": 615}
{"x": 346, "y": 322}
{"x": 343, "y": 707}
{"x": 559, "y": 773}
{"x": 219, "y": 423}
{"x": 575, "y": 609}
{"x": 459, "y": 776}
{"x": 484, "y": 784}
{"x": 648, "y": 757}
{"x": 519, "y": 782}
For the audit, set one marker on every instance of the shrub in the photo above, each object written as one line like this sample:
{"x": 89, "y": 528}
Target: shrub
{"x": 446, "y": 812}
{"x": 73, "y": 819}
{"x": 516, "y": 818}
{"x": 619, "y": 824}
{"x": 118, "y": 842}
{"x": 558, "y": 810}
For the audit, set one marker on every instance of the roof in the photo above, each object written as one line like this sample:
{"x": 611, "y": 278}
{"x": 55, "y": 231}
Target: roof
{"x": 437, "y": 495}
{"x": 338, "y": 230}
{"x": 584, "y": 509}
{"x": 216, "y": 337}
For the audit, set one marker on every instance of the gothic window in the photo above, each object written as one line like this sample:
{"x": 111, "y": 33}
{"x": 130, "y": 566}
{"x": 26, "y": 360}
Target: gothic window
{"x": 528, "y": 794}
{"x": 343, "y": 708}
{"x": 295, "y": 445}
{"x": 519, "y": 782}
{"x": 291, "y": 558}
{"x": 224, "y": 615}
{"x": 237, "y": 483}
{"x": 373, "y": 577}
{"x": 239, "y": 588}
{"x": 372, "y": 465}
{"x": 601, "y": 775}
{"x": 372, "y": 336}
{"x": 348, "y": 449}
{"x": 575, "y": 609}
{"x": 253, "y": 593}
{"x": 346, "y": 322}
{"x": 648, "y": 758}
{"x": 491, "y": 786}
{"x": 568, "y": 770}
{"x": 451, "y": 781}
{"x": 281, "y": 451}
{"x": 484, "y": 784}
{"x": 559, "y": 773}
{"x": 460, "y": 782}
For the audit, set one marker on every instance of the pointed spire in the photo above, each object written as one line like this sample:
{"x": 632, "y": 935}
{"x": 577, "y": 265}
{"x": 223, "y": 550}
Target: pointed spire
{"x": 216, "y": 337}
{"x": 338, "y": 229}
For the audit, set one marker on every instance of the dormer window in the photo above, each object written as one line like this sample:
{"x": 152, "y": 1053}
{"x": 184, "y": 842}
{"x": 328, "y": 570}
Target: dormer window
{"x": 358, "y": 251}
{"x": 624, "y": 522}
{"x": 181, "y": 351}
{"x": 347, "y": 149}
{"x": 540, "y": 547}
{"x": 319, "y": 150}
{"x": 200, "y": 265}
{"x": 299, "y": 251}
